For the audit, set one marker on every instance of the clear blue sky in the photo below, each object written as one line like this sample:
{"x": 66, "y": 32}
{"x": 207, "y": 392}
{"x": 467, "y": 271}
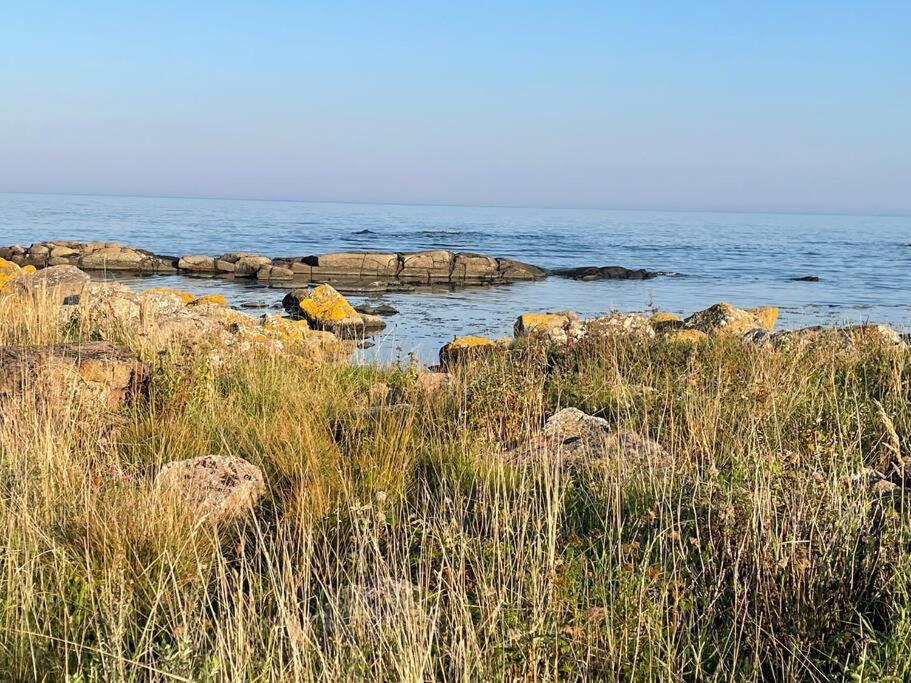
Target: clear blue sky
{"x": 781, "y": 105}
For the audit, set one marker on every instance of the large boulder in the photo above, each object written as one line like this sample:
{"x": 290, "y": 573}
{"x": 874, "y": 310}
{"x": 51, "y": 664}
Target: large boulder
{"x": 64, "y": 284}
{"x": 353, "y": 265}
{"x": 325, "y": 309}
{"x": 197, "y": 264}
{"x": 113, "y": 257}
{"x": 97, "y": 371}
{"x": 723, "y": 319}
{"x": 850, "y": 338}
{"x": 248, "y": 266}
{"x": 468, "y": 267}
{"x": 213, "y": 488}
{"x": 426, "y": 266}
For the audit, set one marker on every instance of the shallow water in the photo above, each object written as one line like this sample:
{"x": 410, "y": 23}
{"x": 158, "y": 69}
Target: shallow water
{"x": 747, "y": 259}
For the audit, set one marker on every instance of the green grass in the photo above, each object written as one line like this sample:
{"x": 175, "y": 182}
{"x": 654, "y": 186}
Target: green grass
{"x": 395, "y": 543}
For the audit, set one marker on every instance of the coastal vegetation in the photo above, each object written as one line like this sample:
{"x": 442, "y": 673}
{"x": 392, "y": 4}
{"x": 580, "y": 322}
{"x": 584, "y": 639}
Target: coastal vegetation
{"x": 723, "y": 503}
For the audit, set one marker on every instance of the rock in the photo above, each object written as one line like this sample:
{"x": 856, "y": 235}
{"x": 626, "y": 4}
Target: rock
{"x": 806, "y": 278}
{"x": 679, "y": 336}
{"x": 64, "y": 284}
{"x": 511, "y": 271}
{"x": 372, "y": 323}
{"x": 475, "y": 268}
{"x": 848, "y": 339}
{"x": 248, "y": 266}
{"x": 356, "y": 265}
{"x": 325, "y": 309}
{"x": 274, "y": 273}
{"x": 462, "y": 349}
{"x": 588, "y": 273}
{"x": 541, "y": 323}
{"x": 382, "y": 309}
{"x": 185, "y": 297}
{"x": 433, "y": 382}
{"x": 725, "y": 319}
{"x": 217, "y": 299}
{"x": 197, "y": 264}
{"x": 98, "y": 372}
{"x": 665, "y": 322}
{"x": 576, "y": 440}
{"x": 217, "y": 488}
{"x": 426, "y": 266}
{"x": 634, "y": 324}
{"x": 224, "y": 266}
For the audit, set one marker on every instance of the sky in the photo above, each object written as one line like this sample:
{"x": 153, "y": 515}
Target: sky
{"x": 754, "y": 106}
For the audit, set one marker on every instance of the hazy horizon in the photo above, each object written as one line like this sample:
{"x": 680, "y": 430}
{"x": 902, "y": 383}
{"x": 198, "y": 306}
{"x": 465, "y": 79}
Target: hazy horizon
{"x": 775, "y": 109}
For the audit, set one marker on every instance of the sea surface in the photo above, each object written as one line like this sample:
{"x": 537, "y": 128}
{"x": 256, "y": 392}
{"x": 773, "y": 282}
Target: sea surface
{"x": 748, "y": 259}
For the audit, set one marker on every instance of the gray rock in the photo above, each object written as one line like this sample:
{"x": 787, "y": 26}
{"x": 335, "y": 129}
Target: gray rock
{"x": 217, "y": 488}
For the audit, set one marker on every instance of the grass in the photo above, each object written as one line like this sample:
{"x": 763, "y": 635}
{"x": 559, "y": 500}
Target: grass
{"x": 395, "y": 543}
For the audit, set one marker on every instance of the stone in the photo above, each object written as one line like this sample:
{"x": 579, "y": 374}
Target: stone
{"x": 97, "y": 371}
{"x": 248, "y": 266}
{"x": 215, "y": 488}
{"x": 848, "y": 339}
{"x": 382, "y": 309}
{"x": 217, "y": 299}
{"x": 806, "y": 278}
{"x": 462, "y": 349}
{"x": 589, "y": 273}
{"x": 511, "y": 270}
{"x": 426, "y": 266}
{"x": 64, "y": 284}
{"x": 325, "y": 309}
{"x": 725, "y": 319}
{"x": 224, "y": 266}
{"x": 433, "y": 382}
{"x": 576, "y": 440}
{"x": 474, "y": 267}
{"x": 197, "y": 264}
{"x": 359, "y": 265}
{"x": 540, "y": 323}
{"x": 274, "y": 273}
{"x": 679, "y": 336}
{"x": 372, "y": 323}
{"x": 634, "y": 324}
{"x": 664, "y": 322}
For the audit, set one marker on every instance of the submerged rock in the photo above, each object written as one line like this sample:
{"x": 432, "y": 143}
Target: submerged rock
{"x": 588, "y": 273}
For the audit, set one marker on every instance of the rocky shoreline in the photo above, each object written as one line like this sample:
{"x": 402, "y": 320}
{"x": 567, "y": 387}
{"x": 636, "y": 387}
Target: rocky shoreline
{"x": 350, "y": 272}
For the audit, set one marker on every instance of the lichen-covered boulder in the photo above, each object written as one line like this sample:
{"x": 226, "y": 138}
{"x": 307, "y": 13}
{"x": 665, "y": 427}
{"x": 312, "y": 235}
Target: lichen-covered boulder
{"x": 63, "y": 284}
{"x": 727, "y": 320}
{"x": 529, "y": 324}
{"x": 325, "y": 309}
{"x": 665, "y": 322}
{"x": 98, "y": 372}
{"x": 466, "y": 348}
{"x": 197, "y": 264}
{"x": 217, "y": 299}
{"x": 848, "y": 339}
{"x": 214, "y": 488}
{"x": 626, "y": 324}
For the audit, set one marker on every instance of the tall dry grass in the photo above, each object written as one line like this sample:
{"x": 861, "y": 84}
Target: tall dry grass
{"x": 396, "y": 544}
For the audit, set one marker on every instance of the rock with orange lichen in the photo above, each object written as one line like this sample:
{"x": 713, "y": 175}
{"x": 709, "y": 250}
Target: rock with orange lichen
{"x": 723, "y": 319}
{"x": 218, "y": 299}
{"x": 325, "y": 309}
{"x": 466, "y": 348}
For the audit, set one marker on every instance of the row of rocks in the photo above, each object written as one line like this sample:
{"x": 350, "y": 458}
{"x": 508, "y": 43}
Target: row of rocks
{"x": 754, "y": 325}
{"x": 356, "y": 271}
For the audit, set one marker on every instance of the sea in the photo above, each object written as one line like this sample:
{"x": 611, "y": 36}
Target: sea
{"x": 748, "y": 259}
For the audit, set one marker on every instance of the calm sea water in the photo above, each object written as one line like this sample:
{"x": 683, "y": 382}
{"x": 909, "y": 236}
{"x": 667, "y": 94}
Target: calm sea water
{"x": 748, "y": 259}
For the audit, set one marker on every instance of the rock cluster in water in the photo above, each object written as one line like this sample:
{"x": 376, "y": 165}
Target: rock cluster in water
{"x": 354, "y": 271}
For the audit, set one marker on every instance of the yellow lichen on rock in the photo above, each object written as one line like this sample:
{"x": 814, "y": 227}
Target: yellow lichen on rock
{"x": 216, "y": 299}
{"x": 186, "y": 297}
{"x": 766, "y": 315}
{"x": 469, "y": 342}
{"x": 28, "y": 269}
{"x": 663, "y": 317}
{"x": 8, "y": 270}
{"x": 687, "y": 336}
{"x": 325, "y": 304}
{"x": 531, "y": 323}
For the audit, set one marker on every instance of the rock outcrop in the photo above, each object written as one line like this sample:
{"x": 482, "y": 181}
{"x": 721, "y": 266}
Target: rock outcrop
{"x": 95, "y": 371}
{"x": 325, "y": 309}
{"x": 214, "y": 488}
{"x": 354, "y": 271}
{"x": 463, "y": 349}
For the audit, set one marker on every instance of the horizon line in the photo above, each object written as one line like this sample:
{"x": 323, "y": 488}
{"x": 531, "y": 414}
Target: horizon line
{"x": 443, "y": 204}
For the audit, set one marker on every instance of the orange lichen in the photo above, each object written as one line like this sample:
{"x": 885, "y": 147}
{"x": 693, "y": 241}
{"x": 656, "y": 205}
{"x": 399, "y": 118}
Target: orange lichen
{"x": 766, "y": 315}
{"x": 216, "y": 299}
{"x": 324, "y": 304}
{"x": 186, "y": 297}
{"x": 469, "y": 342}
